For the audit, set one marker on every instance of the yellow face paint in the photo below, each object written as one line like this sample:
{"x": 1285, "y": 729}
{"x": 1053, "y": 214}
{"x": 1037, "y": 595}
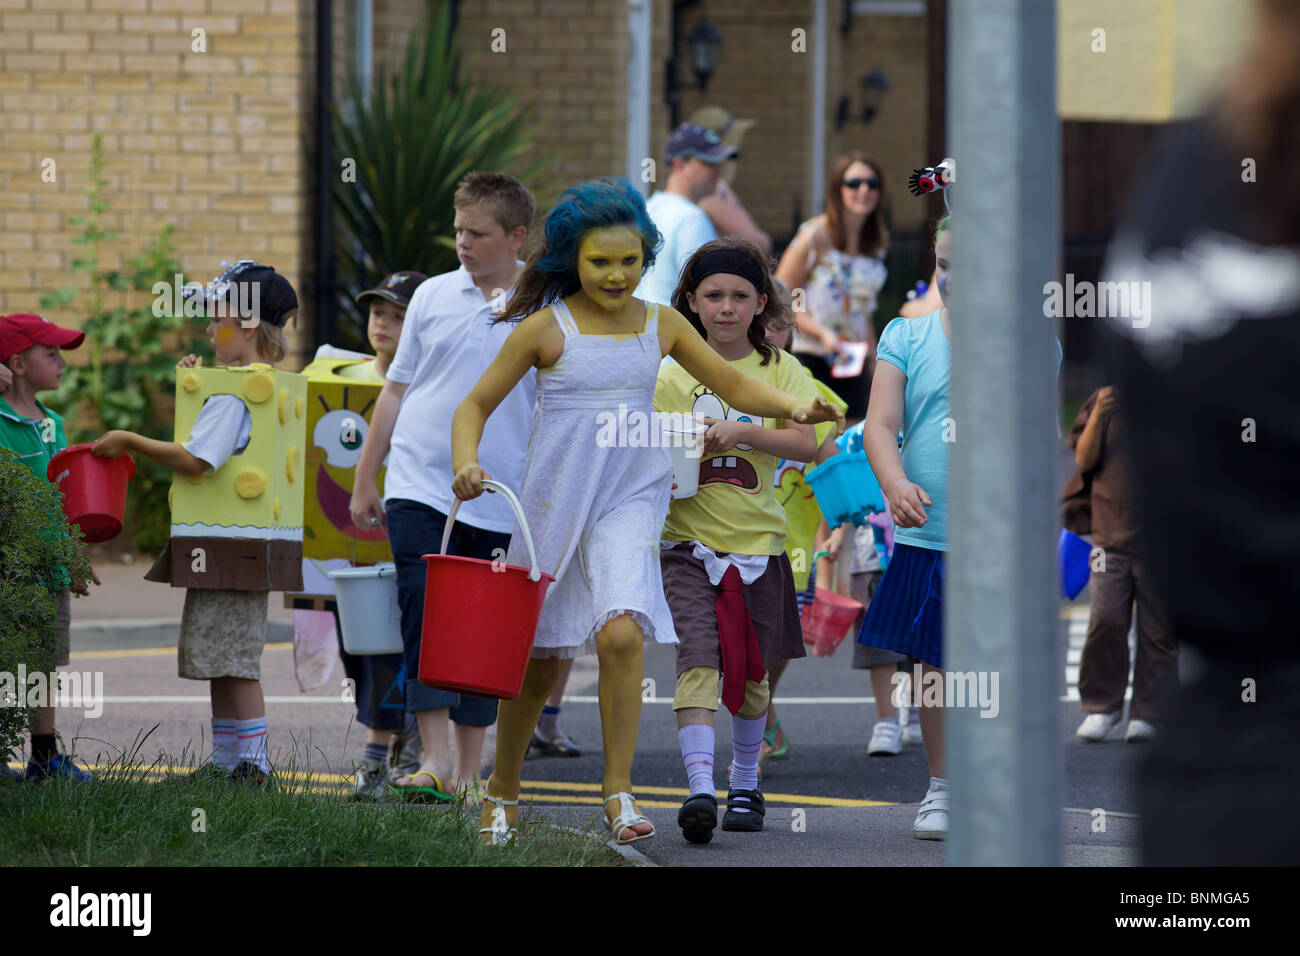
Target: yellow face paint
{"x": 609, "y": 265}
{"x": 224, "y": 335}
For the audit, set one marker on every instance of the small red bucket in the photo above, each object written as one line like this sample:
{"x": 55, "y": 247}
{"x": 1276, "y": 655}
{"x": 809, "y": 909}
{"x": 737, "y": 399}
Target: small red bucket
{"x": 480, "y": 617}
{"x": 827, "y": 620}
{"x": 94, "y": 490}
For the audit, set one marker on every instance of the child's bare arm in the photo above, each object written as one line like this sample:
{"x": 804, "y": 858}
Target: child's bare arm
{"x": 533, "y": 342}
{"x": 116, "y": 443}
{"x": 907, "y": 500}
{"x": 793, "y": 441}
{"x": 740, "y": 391}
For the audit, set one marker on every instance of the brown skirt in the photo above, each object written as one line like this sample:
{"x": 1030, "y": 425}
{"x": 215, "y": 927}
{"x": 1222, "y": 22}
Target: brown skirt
{"x": 693, "y": 601}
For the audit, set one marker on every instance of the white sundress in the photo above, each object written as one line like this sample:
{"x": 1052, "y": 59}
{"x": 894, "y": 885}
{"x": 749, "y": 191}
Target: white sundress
{"x": 596, "y": 512}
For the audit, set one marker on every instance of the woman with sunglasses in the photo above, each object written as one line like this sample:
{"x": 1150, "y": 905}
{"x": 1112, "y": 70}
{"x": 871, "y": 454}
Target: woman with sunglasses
{"x": 837, "y": 258}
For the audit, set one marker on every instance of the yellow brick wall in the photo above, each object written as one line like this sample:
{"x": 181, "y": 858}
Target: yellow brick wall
{"x": 896, "y": 136}
{"x": 209, "y": 142}
{"x": 567, "y": 59}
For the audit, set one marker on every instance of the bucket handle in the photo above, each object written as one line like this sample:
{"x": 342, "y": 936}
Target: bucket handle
{"x": 535, "y": 574}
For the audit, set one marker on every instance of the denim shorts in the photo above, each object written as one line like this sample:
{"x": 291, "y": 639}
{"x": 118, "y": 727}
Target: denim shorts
{"x": 415, "y": 529}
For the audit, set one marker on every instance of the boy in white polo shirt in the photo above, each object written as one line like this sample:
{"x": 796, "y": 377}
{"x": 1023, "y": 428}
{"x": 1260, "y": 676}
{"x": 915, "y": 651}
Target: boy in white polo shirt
{"x": 447, "y": 342}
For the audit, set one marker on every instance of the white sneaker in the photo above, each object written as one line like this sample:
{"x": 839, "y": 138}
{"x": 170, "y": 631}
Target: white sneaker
{"x": 931, "y": 821}
{"x": 1139, "y": 731}
{"x": 912, "y": 729}
{"x": 1096, "y": 726}
{"x": 886, "y": 738}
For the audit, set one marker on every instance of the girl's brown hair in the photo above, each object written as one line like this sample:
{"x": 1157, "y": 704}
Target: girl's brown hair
{"x": 757, "y": 334}
{"x": 873, "y": 239}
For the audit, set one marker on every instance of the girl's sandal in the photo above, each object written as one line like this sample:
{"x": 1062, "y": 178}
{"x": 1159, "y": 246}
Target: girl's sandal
{"x": 627, "y": 819}
{"x": 500, "y": 833}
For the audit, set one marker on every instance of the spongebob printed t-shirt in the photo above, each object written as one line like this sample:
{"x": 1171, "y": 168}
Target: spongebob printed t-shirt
{"x": 735, "y": 509}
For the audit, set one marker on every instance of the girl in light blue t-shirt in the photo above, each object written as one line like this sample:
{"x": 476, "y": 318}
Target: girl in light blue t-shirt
{"x": 910, "y": 390}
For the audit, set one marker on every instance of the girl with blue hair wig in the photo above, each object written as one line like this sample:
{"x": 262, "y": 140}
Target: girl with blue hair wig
{"x": 550, "y": 273}
{"x": 597, "y": 477}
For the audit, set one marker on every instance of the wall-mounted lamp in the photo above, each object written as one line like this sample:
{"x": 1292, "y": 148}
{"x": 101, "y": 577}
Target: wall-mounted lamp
{"x": 874, "y": 87}
{"x": 705, "y": 44}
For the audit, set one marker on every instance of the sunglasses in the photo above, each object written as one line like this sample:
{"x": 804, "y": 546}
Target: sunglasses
{"x": 873, "y": 183}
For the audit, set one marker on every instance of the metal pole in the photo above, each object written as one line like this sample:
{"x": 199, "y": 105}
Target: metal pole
{"x": 365, "y": 45}
{"x": 817, "y": 157}
{"x": 326, "y": 306}
{"x": 639, "y": 28}
{"x": 1001, "y": 593}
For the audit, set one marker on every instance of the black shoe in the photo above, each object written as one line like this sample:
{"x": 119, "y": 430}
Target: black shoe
{"x": 248, "y": 772}
{"x": 561, "y": 746}
{"x": 698, "y": 817}
{"x": 209, "y": 773}
{"x": 745, "y": 822}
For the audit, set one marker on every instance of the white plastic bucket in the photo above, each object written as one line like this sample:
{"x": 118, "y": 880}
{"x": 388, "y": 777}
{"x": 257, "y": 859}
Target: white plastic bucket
{"x": 368, "y": 609}
{"x": 684, "y": 440}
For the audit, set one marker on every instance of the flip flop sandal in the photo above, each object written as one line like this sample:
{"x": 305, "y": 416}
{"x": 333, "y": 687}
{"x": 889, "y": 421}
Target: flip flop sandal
{"x": 502, "y": 832}
{"x": 769, "y": 737}
{"x": 417, "y": 793}
{"x": 627, "y": 818}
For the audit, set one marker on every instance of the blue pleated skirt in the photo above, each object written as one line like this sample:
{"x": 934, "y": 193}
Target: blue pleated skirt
{"x": 906, "y": 612}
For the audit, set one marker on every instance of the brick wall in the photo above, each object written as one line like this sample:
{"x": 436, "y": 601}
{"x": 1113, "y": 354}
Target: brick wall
{"x": 759, "y": 76}
{"x": 567, "y": 60}
{"x": 896, "y": 136}
{"x": 209, "y": 142}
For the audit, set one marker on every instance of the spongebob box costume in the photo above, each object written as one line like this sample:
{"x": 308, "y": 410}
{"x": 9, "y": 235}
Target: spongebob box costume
{"x": 339, "y": 404}
{"x": 247, "y": 517}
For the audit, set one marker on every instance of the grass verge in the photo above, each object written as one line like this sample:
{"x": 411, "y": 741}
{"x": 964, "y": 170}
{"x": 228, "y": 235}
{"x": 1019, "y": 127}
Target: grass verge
{"x": 156, "y": 815}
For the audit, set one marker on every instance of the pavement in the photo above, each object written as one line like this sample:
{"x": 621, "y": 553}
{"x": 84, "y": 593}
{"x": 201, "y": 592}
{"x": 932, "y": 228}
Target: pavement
{"x": 828, "y": 804}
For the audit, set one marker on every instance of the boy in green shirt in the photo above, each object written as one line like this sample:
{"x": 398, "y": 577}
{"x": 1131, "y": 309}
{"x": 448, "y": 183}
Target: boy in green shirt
{"x": 31, "y": 362}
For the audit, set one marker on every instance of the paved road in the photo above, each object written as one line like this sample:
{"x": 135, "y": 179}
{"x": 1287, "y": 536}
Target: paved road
{"x": 828, "y": 802}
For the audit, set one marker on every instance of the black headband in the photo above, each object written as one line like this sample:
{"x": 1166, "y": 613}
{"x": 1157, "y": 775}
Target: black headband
{"x": 728, "y": 261}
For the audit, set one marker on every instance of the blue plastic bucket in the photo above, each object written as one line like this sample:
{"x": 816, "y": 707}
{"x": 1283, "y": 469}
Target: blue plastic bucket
{"x": 846, "y": 489}
{"x": 1072, "y": 554}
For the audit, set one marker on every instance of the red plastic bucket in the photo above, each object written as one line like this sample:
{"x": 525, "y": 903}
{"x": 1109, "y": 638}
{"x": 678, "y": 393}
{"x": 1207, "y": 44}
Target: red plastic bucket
{"x": 827, "y": 620}
{"x": 94, "y": 490}
{"x": 480, "y": 617}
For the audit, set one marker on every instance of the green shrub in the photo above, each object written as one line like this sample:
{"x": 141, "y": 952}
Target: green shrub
{"x": 132, "y": 356}
{"x": 39, "y": 556}
{"x": 420, "y": 129}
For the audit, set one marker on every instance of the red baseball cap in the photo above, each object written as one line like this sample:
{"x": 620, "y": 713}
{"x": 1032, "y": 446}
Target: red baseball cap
{"x": 20, "y": 332}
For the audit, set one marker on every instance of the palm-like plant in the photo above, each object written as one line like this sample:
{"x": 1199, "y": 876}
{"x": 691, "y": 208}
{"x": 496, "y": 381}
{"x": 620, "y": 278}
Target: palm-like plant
{"x": 413, "y": 138}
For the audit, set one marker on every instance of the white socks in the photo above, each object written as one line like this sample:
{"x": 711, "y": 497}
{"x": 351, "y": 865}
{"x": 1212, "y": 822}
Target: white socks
{"x": 225, "y": 743}
{"x": 252, "y": 742}
{"x": 696, "y": 741}
{"x": 746, "y": 738}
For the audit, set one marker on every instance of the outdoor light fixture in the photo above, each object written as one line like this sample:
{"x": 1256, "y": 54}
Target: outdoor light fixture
{"x": 705, "y": 43}
{"x": 875, "y": 85}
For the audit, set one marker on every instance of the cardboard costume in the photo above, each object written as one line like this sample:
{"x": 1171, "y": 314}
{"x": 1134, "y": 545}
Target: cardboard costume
{"x": 241, "y": 528}
{"x": 339, "y": 407}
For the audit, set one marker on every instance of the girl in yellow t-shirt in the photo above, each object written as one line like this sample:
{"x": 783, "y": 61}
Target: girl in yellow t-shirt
{"x": 726, "y": 576}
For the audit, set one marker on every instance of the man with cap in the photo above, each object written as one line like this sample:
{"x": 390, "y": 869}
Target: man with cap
{"x": 695, "y": 154}
{"x": 31, "y": 362}
{"x": 723, "y": 206}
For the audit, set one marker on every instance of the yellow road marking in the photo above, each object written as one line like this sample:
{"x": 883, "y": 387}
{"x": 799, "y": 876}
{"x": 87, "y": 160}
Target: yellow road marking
{"x": 570, "y": 792}
{"x": 683, "y": 793}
